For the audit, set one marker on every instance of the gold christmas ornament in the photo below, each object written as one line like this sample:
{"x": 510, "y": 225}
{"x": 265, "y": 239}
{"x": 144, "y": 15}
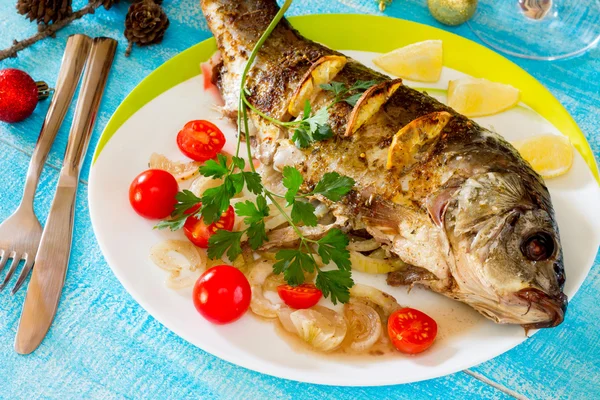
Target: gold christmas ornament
{"x": 452, "y": 12}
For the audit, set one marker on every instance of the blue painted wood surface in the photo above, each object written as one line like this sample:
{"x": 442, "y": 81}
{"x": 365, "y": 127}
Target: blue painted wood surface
{"x": 103, "y": 345}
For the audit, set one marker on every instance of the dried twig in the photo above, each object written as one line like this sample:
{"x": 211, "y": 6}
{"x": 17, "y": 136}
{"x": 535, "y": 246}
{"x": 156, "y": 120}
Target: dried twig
{"x": 47, "y": 30}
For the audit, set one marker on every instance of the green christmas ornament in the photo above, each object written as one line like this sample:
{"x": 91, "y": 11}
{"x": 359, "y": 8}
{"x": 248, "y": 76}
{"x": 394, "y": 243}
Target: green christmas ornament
{"x": 452, "y": 12}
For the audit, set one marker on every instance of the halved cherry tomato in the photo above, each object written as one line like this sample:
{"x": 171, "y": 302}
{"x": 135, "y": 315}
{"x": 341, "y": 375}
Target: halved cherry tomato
{"x": 222, "y": 294}
{"x": 411, "y": 331}
{"x": 200, "y": 140}
{"x": 152, "y": 194}
{"x": 301, "y": 296}
{"x": 198, "y": 232}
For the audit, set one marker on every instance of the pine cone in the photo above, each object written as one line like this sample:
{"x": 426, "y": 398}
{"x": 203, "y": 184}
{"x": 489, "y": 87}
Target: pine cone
{"x": 106, "y": 3}
{"x": 45, "y": 11}
{"x": 145, "y": 23}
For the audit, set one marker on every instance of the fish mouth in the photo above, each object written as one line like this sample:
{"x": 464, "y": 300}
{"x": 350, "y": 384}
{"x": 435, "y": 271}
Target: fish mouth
{"x": 554, "y": 306}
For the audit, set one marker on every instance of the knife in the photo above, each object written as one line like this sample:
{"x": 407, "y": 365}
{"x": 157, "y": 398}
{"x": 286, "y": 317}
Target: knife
{"x": 52, "y": 260}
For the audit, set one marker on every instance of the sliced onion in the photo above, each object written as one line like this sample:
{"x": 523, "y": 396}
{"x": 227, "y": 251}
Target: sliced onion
{"x": 321, "y": 209}
{"x": 364, "y": 245}
{"x": 273, "y": 281}
{"x": 182, "y": 259}
{"x": 185, "y": 278}
{"x": 364, "y": 326}
{"x": 284, "y": 314}
{"x": 180, "y": 170}
{"x": 162, "y": 255}
{"x": 387, "y": 302}
{"x": 321, "y": 327}
{"x": 201, "y": 183}
{"x": 371, "y": 265}
{"x": 379, "y": 253}
{"x": 259, "y": 304}
{"x": 274, "y": 220}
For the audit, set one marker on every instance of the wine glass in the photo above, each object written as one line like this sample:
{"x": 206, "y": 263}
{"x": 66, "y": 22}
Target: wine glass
{"x": 538, "y": 29}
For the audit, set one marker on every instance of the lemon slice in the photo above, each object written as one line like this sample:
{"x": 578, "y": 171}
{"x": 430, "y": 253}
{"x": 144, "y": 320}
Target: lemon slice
{"x": 549, "y": 155}
{"x": 475, "y": 97}
{"x": 420, "y": 61}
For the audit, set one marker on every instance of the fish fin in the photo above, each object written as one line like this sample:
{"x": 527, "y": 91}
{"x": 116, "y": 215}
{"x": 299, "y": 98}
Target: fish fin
{"x": 369, "y": 103}
{"x": 409, "y": 140}
{"x": 437, "y": 204}
{"x": 409, "y": 276}
{"x": 321, "y": 72}
{"x": 386, "y": 216}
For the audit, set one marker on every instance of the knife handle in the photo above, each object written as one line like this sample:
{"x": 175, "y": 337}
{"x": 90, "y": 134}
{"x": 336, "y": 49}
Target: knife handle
{"x": 94, "y": 80}
{"x": 52, "y": 259}
{"x": 76, "y": 51}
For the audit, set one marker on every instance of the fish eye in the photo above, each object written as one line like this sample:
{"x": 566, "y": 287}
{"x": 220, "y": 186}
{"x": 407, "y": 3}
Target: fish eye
{"x": 538, "y": 246}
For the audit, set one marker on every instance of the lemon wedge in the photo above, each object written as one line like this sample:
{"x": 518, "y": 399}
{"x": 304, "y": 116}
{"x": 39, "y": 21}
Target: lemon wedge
{"x": 549, "y": 155}
{"x": 476, "y": 97}
{"x": 420, "y": 61}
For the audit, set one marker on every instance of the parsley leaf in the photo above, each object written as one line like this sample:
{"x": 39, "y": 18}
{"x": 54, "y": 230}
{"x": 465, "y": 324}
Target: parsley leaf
{"x": 335, "y": 87}
{"x": 302, "y": 137}
{"x": 362, "y": 85}
{"x": 239, "y": 162}
{"x": 333, "y": 186}
{"x": 336, "y": 284}
{"x": 292, "y": 180}
{"x": 352, "y": 100}
{"x": 323, "y": 132}
{"x": 332, "y": 247}
{"x": 186, "y": 200}
{"x": 215, "y": 169}
{"x": 257, "y": 234}
{"x": 237, "y": 181}
{"x": 292, "y": 263}
{"x": 225, "y": 241}
{"x": 310, "y": 128}
{"x": 253, "y": 182}
{"x": 320, "y": 118}
{"x": 253, "y": 212}
{"x": 216, "y": 200}
{"x": 304, "y": 212}
{"x": 173, "y": 224}
{"x": 351, "y": 94}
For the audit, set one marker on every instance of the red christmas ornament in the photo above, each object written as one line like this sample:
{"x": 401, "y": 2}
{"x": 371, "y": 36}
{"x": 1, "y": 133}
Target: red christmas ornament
{"x": 19, "y": 94}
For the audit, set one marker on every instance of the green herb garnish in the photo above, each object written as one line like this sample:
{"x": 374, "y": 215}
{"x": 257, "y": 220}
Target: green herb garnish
{"x": 344, "y": 93}
{"x": 292, "y": 263}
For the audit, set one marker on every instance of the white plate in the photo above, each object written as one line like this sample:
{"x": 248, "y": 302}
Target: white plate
{"x": 465, "y": 338}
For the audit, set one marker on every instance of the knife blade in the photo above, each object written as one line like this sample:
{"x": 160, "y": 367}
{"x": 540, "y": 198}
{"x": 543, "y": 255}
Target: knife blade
{"x": 49, "y": 273}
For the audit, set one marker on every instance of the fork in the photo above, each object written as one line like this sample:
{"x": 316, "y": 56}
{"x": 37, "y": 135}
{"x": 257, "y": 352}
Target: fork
{"x": 21, "y": 232}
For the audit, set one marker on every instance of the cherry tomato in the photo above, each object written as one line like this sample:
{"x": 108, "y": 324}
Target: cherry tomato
{"x": 200, "y": 140}
{"x": 301, "y": 296}
{"x": 152, "y": 194}
{"x": 198, "y": 232}
{"x": 222, "y": 294}
{"x": 411, "y": 331}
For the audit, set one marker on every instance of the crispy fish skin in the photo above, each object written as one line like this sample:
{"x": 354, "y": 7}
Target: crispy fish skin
{"x": 464, "y": 207}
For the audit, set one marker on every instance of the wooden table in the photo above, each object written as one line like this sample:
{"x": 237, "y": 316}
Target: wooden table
{"x": 104, "y": 345}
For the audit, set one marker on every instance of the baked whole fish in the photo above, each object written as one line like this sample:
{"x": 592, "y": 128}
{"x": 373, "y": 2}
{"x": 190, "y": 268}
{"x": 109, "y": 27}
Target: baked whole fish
{"x": 453, "y": 200}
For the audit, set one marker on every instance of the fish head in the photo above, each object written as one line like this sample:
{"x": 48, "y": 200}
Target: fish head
{"x": 507, "y": 257}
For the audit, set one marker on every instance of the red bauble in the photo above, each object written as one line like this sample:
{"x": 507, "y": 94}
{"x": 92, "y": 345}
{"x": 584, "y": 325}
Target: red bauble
{"x": 18, "y": 95}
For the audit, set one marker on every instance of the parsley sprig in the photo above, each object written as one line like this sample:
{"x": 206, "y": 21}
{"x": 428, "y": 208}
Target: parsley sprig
{"x": 308, "y": 127}
{"x": 345, "y": 93}
{"x": 214, "y": 201}
{"x": 292, "y": 263}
